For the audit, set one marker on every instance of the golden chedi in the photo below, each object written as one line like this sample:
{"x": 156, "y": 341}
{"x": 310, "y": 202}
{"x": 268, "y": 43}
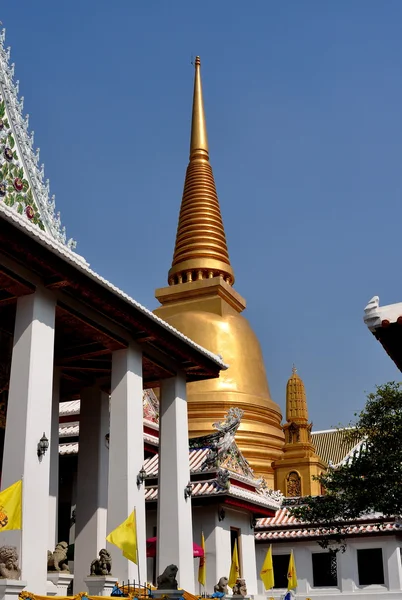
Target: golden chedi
{"x": 294, "y": 473}
{"x": 201, "y": 303}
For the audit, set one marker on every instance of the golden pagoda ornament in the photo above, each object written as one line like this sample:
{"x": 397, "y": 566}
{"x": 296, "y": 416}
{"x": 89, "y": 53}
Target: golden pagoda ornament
{"x": 295, "y": 472}
{"x": 201, "y": 303}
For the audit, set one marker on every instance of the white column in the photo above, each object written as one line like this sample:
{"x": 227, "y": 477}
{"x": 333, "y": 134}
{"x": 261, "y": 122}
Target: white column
{"x": 347, "y": 569}
{"x": 92, "y": 483}
{"x": 28, "y": 417}
{"x": 126, "y": 457}
{"x": 54, "y": 465}
{"x": 392, "y": 564}
{"x": 175, "y": 528}
{"x": 304, "y": 569}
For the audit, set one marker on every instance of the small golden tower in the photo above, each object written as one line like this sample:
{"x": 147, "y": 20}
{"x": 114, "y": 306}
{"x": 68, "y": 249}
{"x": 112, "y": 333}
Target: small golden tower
{"x": 201, "y": 303}
{"x": 295, "y": 471}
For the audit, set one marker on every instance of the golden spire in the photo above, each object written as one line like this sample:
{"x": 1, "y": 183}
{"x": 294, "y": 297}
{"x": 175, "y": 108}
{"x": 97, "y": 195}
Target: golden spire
{"x": 200, "y": 250}
{"x": 296, "y": 402}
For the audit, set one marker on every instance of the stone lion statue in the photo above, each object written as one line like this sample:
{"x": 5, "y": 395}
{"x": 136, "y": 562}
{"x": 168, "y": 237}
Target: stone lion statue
{"x": 222, "y": 586}
{"x": 9, "y": 568}
{"x": 167, "y": 581}
{"x": 57, "y": 560}
{"x": 102, "y": 565}
{"x": 240, "y": 588}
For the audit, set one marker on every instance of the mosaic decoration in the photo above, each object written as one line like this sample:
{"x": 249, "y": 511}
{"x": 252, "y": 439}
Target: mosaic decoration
{"x": 150, "y": 406}
{"x": 234, "y": 461}
{"x": 22, "y": 185}
{"x": 14, "y": 187}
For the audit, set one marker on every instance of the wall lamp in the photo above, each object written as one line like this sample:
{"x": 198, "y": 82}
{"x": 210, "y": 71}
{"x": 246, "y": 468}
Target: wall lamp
{"x": 188, "y": 490}
{"x": 141, "y": 476}
{"x": 221, "y": 514}
{"x": 107, "y": 440}
{"x": 43, "y": 446}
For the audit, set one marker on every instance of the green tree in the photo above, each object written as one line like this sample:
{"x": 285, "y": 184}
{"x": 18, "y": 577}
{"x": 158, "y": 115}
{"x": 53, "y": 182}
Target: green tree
{"x": 372, "y": 480}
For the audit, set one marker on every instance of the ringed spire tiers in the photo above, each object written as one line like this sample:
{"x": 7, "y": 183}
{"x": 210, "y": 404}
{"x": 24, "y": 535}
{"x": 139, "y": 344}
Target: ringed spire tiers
{"x": 296, "y": 401}
{"x": 201, "y": 302}
{"x": 200, "y": 249}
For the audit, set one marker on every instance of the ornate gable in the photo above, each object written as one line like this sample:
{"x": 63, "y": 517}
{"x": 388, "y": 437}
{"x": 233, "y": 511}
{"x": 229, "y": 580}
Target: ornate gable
{"x": 150, "y": 406}
{"x": 23, "y": 187}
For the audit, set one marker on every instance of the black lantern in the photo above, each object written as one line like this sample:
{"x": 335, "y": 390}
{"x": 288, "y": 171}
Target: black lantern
{"x": 43, "y": 446}
{"x": 188, "y": 490}
{"x": 141, "y": 476}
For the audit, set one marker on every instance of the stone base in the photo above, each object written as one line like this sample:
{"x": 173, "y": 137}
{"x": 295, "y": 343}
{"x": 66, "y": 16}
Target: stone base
{"x": 169, "y": 593}
{"x": 10, "y": 589}
{"x": 100, "y": 585}
{"x": 58, "y": 582}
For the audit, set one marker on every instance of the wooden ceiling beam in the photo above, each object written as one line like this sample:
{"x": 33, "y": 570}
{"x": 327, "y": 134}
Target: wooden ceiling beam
{"x": 82, "y": 351}
{"x": 55, "y": 283}
{"x": 15, "y": 285}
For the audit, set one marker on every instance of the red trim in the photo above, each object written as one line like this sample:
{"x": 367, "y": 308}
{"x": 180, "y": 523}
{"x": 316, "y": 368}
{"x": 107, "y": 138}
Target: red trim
{"x": 150, "y": 448}
{"x": 260, "y": 510}
{"x": 241, "y": 484}
{"x": 150, "y": 431}
{"x": 69, "y": 418}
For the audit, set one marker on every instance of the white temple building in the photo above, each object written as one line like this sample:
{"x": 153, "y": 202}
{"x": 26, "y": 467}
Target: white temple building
{"x": 81, "y": 424}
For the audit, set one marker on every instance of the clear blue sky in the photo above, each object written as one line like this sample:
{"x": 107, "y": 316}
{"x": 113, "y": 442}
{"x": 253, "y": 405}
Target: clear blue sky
{"x": 304, "y": 113}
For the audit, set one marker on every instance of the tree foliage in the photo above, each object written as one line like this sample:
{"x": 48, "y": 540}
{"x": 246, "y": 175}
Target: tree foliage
{"x": 372, "y": 480}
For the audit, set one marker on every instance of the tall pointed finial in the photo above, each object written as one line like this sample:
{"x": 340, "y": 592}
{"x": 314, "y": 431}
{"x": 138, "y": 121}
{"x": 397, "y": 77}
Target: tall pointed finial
{"x": 199, "y": 138}
{"x": 296, "y": 401}
{"x": 200, "y": 250}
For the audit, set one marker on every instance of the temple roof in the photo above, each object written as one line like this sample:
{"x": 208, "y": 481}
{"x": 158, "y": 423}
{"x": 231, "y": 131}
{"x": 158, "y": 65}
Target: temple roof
{"x": 284, "y": 527}
{"x": 218, "y": 465}
{"x": 385, "y": 323}
{"x": 23, "y": 187}
{"x": 332, "y": 445}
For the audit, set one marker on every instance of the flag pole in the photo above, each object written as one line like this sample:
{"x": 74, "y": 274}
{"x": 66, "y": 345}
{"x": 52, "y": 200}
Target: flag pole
{"x": 22, "y": 522}
{"x": 138, "y": 559}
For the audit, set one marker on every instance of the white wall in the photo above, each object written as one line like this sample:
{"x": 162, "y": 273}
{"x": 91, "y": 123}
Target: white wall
{"x": 217, "y": 542}
{"x": 348, "y": 581}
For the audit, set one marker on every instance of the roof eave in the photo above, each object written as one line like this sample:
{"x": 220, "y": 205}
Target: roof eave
{"x": 69, "y": 258}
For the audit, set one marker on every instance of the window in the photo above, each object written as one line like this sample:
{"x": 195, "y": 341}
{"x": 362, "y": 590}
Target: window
{"x": 370, "y": 566}
{"x": 324, "y": 569}
{"x": 280, "y": 562}
{"x": 235, "y": 537}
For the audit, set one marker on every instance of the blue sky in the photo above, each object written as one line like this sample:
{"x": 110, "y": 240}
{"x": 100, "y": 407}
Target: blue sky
{"x": 304, "y": 114}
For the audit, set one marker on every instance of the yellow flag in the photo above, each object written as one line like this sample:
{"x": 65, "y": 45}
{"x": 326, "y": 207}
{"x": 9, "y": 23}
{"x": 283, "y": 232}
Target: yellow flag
{"x": 125, "y": 538}
{"x": 292, "y": 575}
{"x": 202, "y": 569}
{"x": 11, "y": 507}
{"x": 234, "y": 567}
{"x": 267, "y": 571}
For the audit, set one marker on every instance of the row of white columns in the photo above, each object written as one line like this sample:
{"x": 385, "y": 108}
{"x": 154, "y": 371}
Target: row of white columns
{"x": 107, "y": 489}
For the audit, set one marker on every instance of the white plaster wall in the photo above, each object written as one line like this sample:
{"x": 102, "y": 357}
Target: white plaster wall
{"x": 217, "y": 542}
{"x": 204, "y": 520}
{"x": 348, "y": 581}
